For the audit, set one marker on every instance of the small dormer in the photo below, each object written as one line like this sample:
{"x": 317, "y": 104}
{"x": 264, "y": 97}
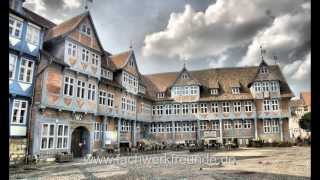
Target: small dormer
{"x": 160, "y": 95}
{"x": 85, "y": 29}
{"x": 263, "y": 68}
{"x": 214, "y": 88}
{"x": 214, "y": 91}
{"x": 235, "y": 88}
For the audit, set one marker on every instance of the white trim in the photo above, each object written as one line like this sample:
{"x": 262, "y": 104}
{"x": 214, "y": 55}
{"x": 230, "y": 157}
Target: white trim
{"x": 14, "y": 65}
{"x": 25, "y": 72}
{"x": 19, "y": 109}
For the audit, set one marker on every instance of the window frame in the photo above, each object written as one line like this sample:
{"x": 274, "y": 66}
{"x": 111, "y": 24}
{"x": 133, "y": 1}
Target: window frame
{"x": 64, "y": 136}
{"x": 25, "y": 71}
{"x": 68, "y": 85}
{"x": 14, "y": 27}
{"x": 19, "y": 109}
{"x": 15, "y": 59}
{"x": 33, "y": 34}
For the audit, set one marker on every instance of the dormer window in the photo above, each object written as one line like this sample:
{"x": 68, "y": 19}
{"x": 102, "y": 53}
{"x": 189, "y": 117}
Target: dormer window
{"x": 214, "y": 91}
{"x": 235, "y": 90}
{"x": 160, "y": 95}
{"x": 131, "y": 63}
{"x": 264, "y": 70}
{"x": 86, "y": 29}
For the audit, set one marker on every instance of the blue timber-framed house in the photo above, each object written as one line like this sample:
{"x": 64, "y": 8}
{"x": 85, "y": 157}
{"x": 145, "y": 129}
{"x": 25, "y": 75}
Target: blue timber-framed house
{"x": 26, "y": 31}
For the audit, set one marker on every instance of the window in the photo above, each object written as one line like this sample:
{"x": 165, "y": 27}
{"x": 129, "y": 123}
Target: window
{"x": 247, "y": 124}
{"x": 227, "y": 124}
{"x": 26, "y": 70}
{"x": 106, "y": 74}
{"x": 238, "y": 124}
{"x": 185, "y": 109}
{"x": 19, "y": 112}
{"x": 226, "y": 106}
{"x": 176, "y": 109}
{"x": 215, "y": 125}
{"x": 235, "y": 90}
{"x": 102, "y": 97}
{"x": 153, "y": 128}
{"x": 275, "y": 104}
{"x": 237, "y": 106}
{"x": 12, "y": 65}
{"x": 264, "y": 70}
{"x": 272, "y": 104}
{"x": 265, "y": 86}
{"x": 94, "y": 59}
{"x": 86, "y": 29}
{"x": 131, "y": 63}
{"x": 33, "y": 34}
{"x": 125, "y": 126}
{"x": 248, "y": 106}
{"x": 15, "y": 27}
{"x": 110, "y": 101}
{"x": 81, "y": 85}
{"x": 203, "y": 108}
{"x": 97, "y": 131}
{"x": 257, "y": 86}
{"x": 160, "y": 95}
{"x": 47, "y": 136}
{"x": 72, "y": 49}
{"x": 193, "y": 90}
{"x": 185, "y": 76}
{"x": 214, "y": 91}
{"x": 215, "y": 107}
{"x": 203, "y": 125}
{"x": 168, "y": 109}
{"x": 194, "y": 108}
{"x": 271, "y": 126}
{"x": 91, "y": 92}
{"x": 68, "y": 86}
{"x": 184, "y": 91}
{"x": 123, "y": 103}
{"x": 62, "y": 136}
{"x": 85, "y": 55}
{"x": 274, "y": 86}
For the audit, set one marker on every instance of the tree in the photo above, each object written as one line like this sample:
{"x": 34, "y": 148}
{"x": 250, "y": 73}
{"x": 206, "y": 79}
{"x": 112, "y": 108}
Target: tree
{"x": 305, "y": 121}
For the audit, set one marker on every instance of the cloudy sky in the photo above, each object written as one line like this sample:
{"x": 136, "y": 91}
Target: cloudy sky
{"x": 202, "y": 33}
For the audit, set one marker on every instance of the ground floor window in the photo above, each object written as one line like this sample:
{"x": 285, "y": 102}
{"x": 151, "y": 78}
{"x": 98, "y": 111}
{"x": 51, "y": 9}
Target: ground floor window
{"x": 62, "y": 136}
{"x": 97, "y": 131}
{"x": 125, "y": 126}
{"x": 271, "y": 126}
{"x": 47, "y": 136}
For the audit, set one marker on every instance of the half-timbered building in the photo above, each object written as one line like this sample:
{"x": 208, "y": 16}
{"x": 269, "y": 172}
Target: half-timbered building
{"x": 26, "y": 31}
{"x": 87, "y": 99}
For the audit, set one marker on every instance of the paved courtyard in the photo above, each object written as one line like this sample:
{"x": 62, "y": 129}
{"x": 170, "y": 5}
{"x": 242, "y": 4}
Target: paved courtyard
{"x": 251, "y": 163}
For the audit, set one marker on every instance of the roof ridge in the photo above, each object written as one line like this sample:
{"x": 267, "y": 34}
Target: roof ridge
{"x": 121, "y": 53}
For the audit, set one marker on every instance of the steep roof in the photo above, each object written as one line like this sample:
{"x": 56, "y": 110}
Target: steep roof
{"x": 296, "y": 103}
{"x": 120, "y": 60}
{"x": 227, "y": 78}
{"x": 39, "y": 19}
{"x": 306, "y": 97}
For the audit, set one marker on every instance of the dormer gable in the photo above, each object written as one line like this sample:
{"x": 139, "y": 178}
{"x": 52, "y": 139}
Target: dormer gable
{"x": 185, "y": 78}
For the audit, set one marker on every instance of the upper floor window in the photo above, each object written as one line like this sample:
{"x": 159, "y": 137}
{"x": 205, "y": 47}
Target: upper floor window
{"x": 85, "y": 55}
{"x": 274, "y": 86}
{"x": 257, "y": 86}
{"x": 131, "y": 63}
{"x": 194, "y": 108}
{"x": 102, "y": 97}
{"x": 184, "y": 91}
{"x": 19, "y": 112}
{"x": 264, "y": 70}
{"x": 227, "y": 124}
{"x": 106, "y": 74}
{"x": 247, "y": 123}
{"x": 81, "y": 85}
{"x": 110, "y": 100}
{"x": 235, "y": 90}
{"x": 215, "y": 125}
{"x": 94, "y": 59}
{"x": 185, "y": 76}
{"x": 26, "y": 70}
{"x": 248, "y": 106}
{"x": 123, "y": 103}
{"x": 265, "y": 86}
{"x": 237, "y": 106}
{"x": 203, "y": 125}
{"x": 33, "y": 34}
{"x": 68, "y": 86}
{"x": 226, "y": 107}
{"x": 272, "y": 104}
{"x": 160, "y": 95}
{"x": 214, "y": 91}
{"x": 91, "y": 91}
{"x": 12, "y": 65}
{"x": 72, "y": 49}
{"x": 203, "y": 108}
{"x": 214, "y": 107}
{"x": 15, "y": 27}
{"x": 86, "y": 29}
{"x": 271, "y": 126}
{"x": 238, "y": 124}
{"x": 185, "y": 109}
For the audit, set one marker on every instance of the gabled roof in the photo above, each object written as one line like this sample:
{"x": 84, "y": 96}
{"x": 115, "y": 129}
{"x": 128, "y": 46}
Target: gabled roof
{"x": 261, "y": 77}
{"x": 306, "y": 97}
{"x": 68, "y": 26}
{"x": 190, "y": 81}
{"x": 121, "y": 59}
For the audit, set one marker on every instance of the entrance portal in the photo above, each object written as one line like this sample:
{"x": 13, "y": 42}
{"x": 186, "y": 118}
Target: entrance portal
{"x": 80, "y": 141}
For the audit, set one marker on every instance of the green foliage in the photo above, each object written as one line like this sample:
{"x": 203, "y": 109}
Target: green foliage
{"x": 305, "y": 121}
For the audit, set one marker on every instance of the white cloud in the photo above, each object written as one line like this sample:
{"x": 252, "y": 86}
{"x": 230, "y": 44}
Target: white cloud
{"x": 284, "y": 35}
{"x": 217, "y": 63}
{"x": 72, "y": 4}
{"x": 300, "y": 69}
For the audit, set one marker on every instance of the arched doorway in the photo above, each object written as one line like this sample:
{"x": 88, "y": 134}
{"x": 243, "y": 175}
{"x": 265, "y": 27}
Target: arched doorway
{"x": 80, "y": 142}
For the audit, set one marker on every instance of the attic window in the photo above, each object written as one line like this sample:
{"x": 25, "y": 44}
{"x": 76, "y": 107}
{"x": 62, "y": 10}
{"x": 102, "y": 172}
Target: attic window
{"x": 184, "y": 76}
{"x": 160, "y": 95}
{"x": 214, "y": 91}
{"x": 235, "y": 90}
{"x": 131, "y": 63}
{"x": 264, "y": 70}
{"x": 86, "y": 29}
